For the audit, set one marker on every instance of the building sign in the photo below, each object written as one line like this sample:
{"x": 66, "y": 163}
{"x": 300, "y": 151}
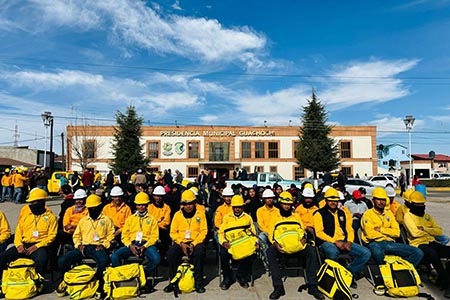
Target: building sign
{"x": 216, "y": 133}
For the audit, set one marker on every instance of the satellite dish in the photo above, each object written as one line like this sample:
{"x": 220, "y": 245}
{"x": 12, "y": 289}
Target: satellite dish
{"x": 432, "y": 154}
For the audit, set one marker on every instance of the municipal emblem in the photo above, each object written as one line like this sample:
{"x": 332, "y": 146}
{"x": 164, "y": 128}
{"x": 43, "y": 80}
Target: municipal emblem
{"x": 427, "y": 217}
{"x": 388, "y": 219}
{"x": 45, "y": 218}
{"x": 102, "y": 223}
{"x": 148, "y": 222}
{"x": 197, "y": 219}
{"x": 341, "y": 218}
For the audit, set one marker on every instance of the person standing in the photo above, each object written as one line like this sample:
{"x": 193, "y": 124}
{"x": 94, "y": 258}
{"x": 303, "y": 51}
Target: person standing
{"x": 7, "y": 185}
{"x": 402, "y": 183}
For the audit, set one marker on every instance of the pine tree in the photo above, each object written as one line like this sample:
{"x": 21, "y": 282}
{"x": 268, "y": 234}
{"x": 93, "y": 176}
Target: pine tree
{"x": 127, "y": 148}
{"x": 316, "y": 152}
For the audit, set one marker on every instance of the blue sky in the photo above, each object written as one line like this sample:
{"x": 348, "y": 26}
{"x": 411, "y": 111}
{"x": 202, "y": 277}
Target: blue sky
{"x": 226, "y": 63}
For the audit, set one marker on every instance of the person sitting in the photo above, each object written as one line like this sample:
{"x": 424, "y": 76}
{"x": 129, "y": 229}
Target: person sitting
{"x": 118, "y": 211}
{"x": 225, "y": 208}
{"x": 264, "y": 214}
{"x": 161, "y": 212}
{"x": 235, "y": 228}
{"x": 5, "y": 232}
{"x": 283, "y": 225}
{"x": 356, "y": 208}
{"x": 335, "y": 235}
{"x": 306, "y": 211}
{"x": 188, "y": 231}
{"x": 139, "y": 235}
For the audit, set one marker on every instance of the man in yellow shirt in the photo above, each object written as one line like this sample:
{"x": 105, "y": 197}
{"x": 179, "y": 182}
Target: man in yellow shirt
{"x": 5, "y": 233}
{"x": 235, "y": 228}
{"x": 225, "y": 208}
{"x": 118, "y": 211}
{"x": 161, "y": 212}
{"x": 335, "y": 234}
{"x": 139, "y": 235}
{"x": 92, "y": 238}
{"x": 188, "y": 232}
{"x": 422, "y": 230}
{"x": 7, "y": 185}
{"x": 19, "y": 181}
{"x": 97, "y": 179}
{"x": 34, "y": 233}
{"x": 306, "y": 210}
{"x": 285, "y": 224}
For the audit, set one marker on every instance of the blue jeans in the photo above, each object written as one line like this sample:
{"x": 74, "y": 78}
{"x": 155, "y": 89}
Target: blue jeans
{"x": 7, "y": 190}
{"x": 442, "y": 239}
{"x": 42, "y": 187}
{"x": 73, "y": 257}
{"x": 379, "y": 249}
{"x": 123, "y": 253}
{"x": 17, "y": 194}
{"x": 359, "y": 253}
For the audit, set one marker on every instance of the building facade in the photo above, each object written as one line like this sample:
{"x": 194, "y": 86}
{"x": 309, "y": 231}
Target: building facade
{"x": 224, "y": 148}
{"x": 390, "y": 157}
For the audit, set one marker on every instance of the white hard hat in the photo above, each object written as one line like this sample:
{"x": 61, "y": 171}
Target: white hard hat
{"x": 159, "y": 191}
{"x": 390, "y": 191}
{"x": 228, "y": 192}
{"x": 80, "y": 194}
{"x": 325, "y": 188}
{"x": 268, "y": 193}
{"x": 341, "y": 195}
{"x": 308, "y": 193}
{"x": 116, "y": 191}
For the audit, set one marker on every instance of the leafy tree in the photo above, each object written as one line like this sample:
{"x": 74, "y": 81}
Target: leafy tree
{"x": 316, "y": 152}
{"x": 127, "y": 148}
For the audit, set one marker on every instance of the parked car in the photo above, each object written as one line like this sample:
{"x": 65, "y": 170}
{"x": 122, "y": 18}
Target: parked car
{"x": 384, "y": 181}
{"x": 53, "y": 184}
{"x": 441, "y": 176}
{"x": 356, "y": 183}
{"x": 263, "y": 179}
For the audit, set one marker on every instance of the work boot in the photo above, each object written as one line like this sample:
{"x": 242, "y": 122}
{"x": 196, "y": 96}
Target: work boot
{"x": 314, "y": 291}
{"x": 168, "y": 288}
{"x": 278, "y": 292}
{"x": 447, "y": 293}
{"x": 225, "y": 284}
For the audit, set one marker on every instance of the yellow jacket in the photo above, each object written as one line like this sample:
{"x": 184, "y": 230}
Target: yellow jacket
{"x": 389, "y": 228}
{"x": 192, "y": 230}
{"x": 117, "y": 214}
{"x": 276, "y": 218}
{"x": 264, "y": 214}
{"x": 25, "y": 210}
{"x": 45, "y": 225}
{"x": 135, "y": 224}
{"x": 98, "y": 232}
{"x": 162, "y": 215}
{"x": 306, "y": 214}
{"x": 97, "y": 177}
{"x": 221, "y": 212}
{"x": 338, "y": 233}
{"x": 7, "y": 180}
{"x": 416, "y": 236}
{"x": 72, "y": 218}
{"x": 400, "y": 213}
{"x": 5, "y": 229}
{"x": 344, "y": 208}
{"x": 230, "y": 221}
{"x": 394, "y": 206}
{"x": 18, "y": 180}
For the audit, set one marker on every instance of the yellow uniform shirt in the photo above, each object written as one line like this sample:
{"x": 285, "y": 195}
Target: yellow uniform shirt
{"x": 389, "y": 228}
{"x": 25, "y": 210}
{"x": 230, "y": 221}
{"x": 306, "y": 214}
{"x": 276, "y": 217}
{"x": 221, "y": 212}
{"x": 18, "y": 180}
{"x": 98, "y": 232}
{"x": 117, "y": 214}
{"x": 140, "y": 229}
{"x": 161, "y": 214}
{"x": 7, "y": 180}
{"x": 394, "y": 206}
{"x": 416, "y": 236}
{"x": 97, "y": 177}
{"x": 5, "y": 229}
{"x": 338, "y": 232}
{"x": 192, "y": 230}
{"x": 73, "y": 218}
{"x": 264, "y": 214}
{"x": 400, "y": 213}
{"x": 36, "y": 229}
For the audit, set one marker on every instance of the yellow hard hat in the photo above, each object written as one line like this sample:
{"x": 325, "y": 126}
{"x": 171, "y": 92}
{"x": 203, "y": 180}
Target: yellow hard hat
{"x": 407, "y": 194}
{"x": 37, "y": 194}
{"x": 331, "y": 194}
{"x": 417, "y": 197}
{"x": 25, "y": 169}
{"x": 379, "y": 193}
{"x": 187, "y": 196}
{"x": 286, "y": 198}
{"x": 7, "y": 170}
{"x": 309, "y": 185}
{"x": 142, "y": 198}
{"x": 19, "y": 171}
{"x": 194, "y": 190}
{"x": 237, "y": 200}
{"x": 93, "y": 201}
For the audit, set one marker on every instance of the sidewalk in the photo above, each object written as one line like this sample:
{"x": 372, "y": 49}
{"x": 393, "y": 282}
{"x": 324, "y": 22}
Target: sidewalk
{"x": 263, "y": 285}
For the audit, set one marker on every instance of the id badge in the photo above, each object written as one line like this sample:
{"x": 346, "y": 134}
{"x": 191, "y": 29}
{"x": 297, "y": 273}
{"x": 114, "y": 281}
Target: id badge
{"x": 139, "y": 236}
{"x": 96, "y": 238}
{"x": 187, "y": 235}
{"x": 35, "y": 234}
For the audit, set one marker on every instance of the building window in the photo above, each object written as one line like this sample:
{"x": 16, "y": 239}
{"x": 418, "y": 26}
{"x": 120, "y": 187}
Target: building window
{"x": 299, "y": 172}
{"x": 385, "y": 163}
{"x": 403, "y": 151}
{"x": 259, "y": 150}
{"x": 153, "y": 169}
{"x": 346, "y": 150}
{"x": 153, "y": 150}
{"x": 193, "y": 149}
{"x": 347, "y": 171}
{"x": 246, "y": 150}
{"x": 273, "y": 150}
{"x": 89, "y": 149}
{"x": 296, "y": 145}
{"x": 219, "y": 151}
{"x": 259, "y": 168}
{"x": 192, "y": 172}
{"x": 273, "y": 169}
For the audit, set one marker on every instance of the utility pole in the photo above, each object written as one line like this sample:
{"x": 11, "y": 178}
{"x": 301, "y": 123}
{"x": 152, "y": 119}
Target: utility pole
{"x": 62, "y": 152}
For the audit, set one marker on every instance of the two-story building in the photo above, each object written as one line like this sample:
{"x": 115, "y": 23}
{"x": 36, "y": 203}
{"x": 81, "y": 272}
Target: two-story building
{"x": 390, "y": 157}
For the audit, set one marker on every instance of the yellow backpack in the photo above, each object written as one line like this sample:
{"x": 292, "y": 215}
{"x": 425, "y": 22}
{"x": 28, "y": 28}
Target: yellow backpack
{"x": 334, "y": 280}
{"x": 124, "y": 282}
{"x": 184, "y": 280}
{"x": 20, "y": 280}
{"x": 289, "y": 235}
{"x": 78, "y": 283}
{"x": 242, "y": 241}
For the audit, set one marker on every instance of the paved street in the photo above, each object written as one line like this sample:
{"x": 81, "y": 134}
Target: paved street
{"x": 437, "y": 206}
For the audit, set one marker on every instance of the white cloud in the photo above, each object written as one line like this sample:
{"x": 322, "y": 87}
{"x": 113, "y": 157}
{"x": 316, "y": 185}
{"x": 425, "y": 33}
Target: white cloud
{"x": 176, "y": 5}
{"x": 41, "y": 80}
{"x": 388, "y": 125}
{"x": 208, "y": 119}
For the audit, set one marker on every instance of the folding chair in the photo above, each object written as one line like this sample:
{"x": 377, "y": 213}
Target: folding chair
{"x": 234, "y": 268}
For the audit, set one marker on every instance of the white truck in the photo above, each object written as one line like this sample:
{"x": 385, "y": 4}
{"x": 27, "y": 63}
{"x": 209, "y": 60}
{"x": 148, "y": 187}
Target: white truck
{"x": 263, "y": 179}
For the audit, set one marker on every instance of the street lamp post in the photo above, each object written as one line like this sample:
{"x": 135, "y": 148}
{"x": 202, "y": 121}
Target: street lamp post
{"x": 47, "y": 118}
{"x": 409, "y": 122}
